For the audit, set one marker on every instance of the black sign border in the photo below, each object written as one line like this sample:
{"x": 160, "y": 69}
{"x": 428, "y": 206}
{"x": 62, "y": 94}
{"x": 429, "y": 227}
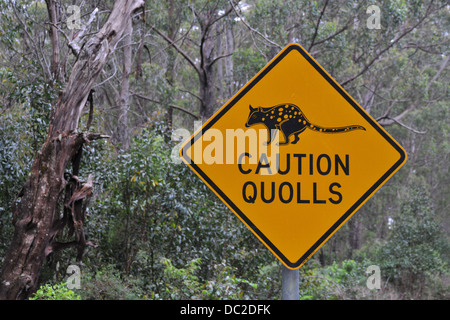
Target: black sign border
{"x": 335, "y": 226}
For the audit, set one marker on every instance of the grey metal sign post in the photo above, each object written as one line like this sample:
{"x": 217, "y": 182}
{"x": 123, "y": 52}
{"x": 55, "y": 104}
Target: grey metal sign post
{"x": 289, "y": 284}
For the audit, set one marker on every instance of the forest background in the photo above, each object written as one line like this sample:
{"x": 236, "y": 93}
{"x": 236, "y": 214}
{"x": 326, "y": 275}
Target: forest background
{"x": 154, "y": 230}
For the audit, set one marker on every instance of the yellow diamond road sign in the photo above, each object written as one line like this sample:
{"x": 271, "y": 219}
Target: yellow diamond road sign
{"x": 293, "y": 155}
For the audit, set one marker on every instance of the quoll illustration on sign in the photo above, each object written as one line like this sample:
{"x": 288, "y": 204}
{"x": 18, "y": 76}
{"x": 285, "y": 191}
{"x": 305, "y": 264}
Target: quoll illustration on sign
{"x": 289, "y": 120}
{"x": 293, "y": 155}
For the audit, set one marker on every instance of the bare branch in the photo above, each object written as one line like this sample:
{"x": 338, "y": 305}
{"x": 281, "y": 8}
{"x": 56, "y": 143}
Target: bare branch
{"x": 74, "y": 44}
{"x": 110, "y": 77}
{"x": 390, "y": 45}
{"x": 180, "y": 51}
{"x": 44, "y": 65}
{"x": 191, "y": 93}
{"x": 386, "y": 99}
{"x": 95, "y": 136}
{"x": 345, "y": 27}
{"x": 59, "y": 29}
{"x": 394, "y": 120}
{"x": 170, "y": 105}
{"x": 390, "y": 120}
{"x": 444, "y": 64}
{"x": 316, "y": 30}
{"x": 226, "y": 13}
{"x": 220, "y": 57}
{"x": 252, "y": 29}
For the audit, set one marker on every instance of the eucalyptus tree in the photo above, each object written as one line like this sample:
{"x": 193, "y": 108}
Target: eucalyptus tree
{"x": 36, "y": 216}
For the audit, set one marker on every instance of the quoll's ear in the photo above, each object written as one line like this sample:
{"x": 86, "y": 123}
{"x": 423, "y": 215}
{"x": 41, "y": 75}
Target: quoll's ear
{"x": 251, "y": 109}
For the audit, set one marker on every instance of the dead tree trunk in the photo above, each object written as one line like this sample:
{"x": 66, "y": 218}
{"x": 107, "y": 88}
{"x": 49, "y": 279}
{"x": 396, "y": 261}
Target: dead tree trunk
{"x": 36, "y": 218}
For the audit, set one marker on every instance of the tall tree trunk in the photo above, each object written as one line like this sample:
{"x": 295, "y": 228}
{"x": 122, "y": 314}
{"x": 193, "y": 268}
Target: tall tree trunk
{"x": 221, "y": 82}
{"x": 229, "y": 66}
{"x": 53, "y": 14}
{"x": 171, "y": 56}
{"x": 205, "y": 69}
{"x": 35, "y": 216}
{"x": 207, "y": 75}
{"x": 124, "y": 95}
{"x": 353, "y": 236}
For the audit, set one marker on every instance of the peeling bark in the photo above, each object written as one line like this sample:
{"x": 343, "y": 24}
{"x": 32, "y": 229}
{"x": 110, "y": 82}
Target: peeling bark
{"x": 36, "y": 219}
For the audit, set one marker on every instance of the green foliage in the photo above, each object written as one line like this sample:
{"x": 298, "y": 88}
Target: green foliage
{"x": 345, "y": 280}
{"x": 271, "y": 16}
{"x": 181, "y": 283}
{"x": 413, "y": 250}
{"x": 154, "y": 217}
{"x": 55, "y": 292}
{"x": 227, "y": 285}
{"x": 107, "y": 283}
{"x": 248, "y": 62}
